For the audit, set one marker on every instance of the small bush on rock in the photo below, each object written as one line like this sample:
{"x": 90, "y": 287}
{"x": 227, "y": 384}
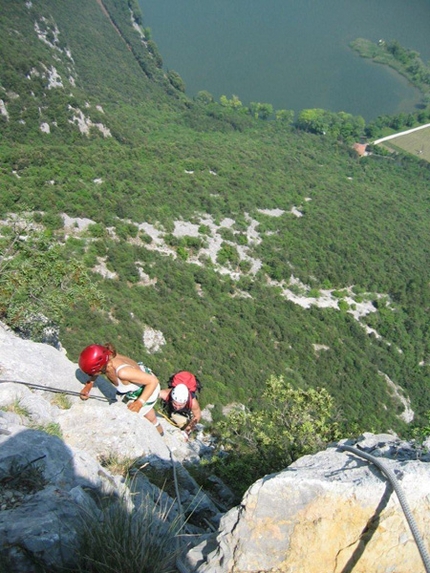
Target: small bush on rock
{"x": 287, "y": 424}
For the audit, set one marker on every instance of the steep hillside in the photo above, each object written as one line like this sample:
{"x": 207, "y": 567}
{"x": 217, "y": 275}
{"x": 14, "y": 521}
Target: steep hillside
{"x": 245, "y": 247}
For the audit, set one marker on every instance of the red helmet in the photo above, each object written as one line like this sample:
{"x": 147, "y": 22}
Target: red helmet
{"x": 93, "y": 358}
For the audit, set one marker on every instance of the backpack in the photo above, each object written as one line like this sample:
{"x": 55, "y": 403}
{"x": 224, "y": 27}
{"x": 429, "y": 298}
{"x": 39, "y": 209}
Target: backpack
{"x": 183, "y": 377}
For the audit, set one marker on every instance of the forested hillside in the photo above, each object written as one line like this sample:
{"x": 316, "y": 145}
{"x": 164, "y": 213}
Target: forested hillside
{"x": 246, "y": 245}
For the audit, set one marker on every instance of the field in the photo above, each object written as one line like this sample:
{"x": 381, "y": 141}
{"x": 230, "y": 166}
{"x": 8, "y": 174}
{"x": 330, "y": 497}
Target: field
{"x": 416, "y": 143}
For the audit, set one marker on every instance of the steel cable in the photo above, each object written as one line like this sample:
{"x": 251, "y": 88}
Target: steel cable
{"x": 402, "y": 499}
{"x": 55, "y": 390}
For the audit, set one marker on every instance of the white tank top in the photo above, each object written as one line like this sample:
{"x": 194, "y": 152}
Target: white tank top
{"x": 124, "y": 388}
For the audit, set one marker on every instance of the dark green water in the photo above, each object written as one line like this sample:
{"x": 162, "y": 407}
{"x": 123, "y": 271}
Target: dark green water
{"x": 293, "y": 54}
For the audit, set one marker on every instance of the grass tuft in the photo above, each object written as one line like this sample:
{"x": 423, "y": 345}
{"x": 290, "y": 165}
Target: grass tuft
{"x": 116, "y": 464}
{"x": 62, "y": 401}
{"x": 129, "y": 540}
{"x": 51, "y": 428}
{"x": 16, "y": 408}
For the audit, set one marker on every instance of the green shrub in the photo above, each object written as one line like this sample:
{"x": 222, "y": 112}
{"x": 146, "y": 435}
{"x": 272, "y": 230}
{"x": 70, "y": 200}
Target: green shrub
{"x": 287, "y": 424}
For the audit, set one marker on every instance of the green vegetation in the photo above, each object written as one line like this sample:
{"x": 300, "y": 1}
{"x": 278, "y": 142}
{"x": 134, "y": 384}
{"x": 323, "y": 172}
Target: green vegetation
{"x": 407, "y": 63}
{"x": 117, "y": 465}
{"x": 62, "y": 401}
{"x": 37, "y": 281}
{"x": 283, "y": 425}
{"x": 421, "y": 432}
{"x": 16, "y": 408}
{"x": 343, "y": 126}
{"x": 51, "y": 428}
{"x": 117, "y": 142}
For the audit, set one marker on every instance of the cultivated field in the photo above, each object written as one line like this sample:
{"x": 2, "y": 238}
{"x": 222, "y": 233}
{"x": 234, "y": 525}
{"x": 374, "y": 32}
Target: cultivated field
{"x": 416, "y": 143}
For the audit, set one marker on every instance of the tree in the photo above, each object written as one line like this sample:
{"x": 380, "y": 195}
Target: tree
{"x": 261, "y": 110}
{"x": 314, "y": 120}
{"x": 426, "y": 98}
{"x": 176, "y": 80}
{"x": 350, "y": 126}
{"x": 285, "y": 115}
{"x": 233, "y": 103}
{"x": 204, "y": 97}
{"x": 287, "y": 423}
{"x": 265, "y": 111}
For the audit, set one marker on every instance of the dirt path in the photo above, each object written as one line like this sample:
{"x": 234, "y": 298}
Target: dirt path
{"x": 106, "y": 13}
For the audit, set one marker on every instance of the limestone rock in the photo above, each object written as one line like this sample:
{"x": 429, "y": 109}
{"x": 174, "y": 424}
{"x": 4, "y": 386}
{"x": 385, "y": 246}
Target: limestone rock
{"x": 105, "y": 430}
{"x": 35, "y": 362}
{"x": 40, "y": 516}
{"x": 332, "y": 511}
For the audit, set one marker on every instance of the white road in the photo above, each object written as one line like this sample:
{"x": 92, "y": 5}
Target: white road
{"x": 394, "y": 135}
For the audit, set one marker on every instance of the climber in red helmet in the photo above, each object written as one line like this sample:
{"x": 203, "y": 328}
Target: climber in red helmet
{"x": 134, "y": 381}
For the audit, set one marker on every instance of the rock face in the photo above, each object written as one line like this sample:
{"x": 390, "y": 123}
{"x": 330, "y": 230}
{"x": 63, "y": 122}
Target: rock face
{"x": 332, "y": 511}
{"x": 43, "y": 520}
{"x": 101, "y": 425}
{"x": 48, "y": 481}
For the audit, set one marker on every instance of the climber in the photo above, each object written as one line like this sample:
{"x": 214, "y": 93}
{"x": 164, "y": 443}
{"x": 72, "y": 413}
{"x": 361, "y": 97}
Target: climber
{"x": 182, "y": 407}
{"x": 136, "y": 383}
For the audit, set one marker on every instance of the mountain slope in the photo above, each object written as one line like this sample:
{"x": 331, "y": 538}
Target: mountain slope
{"x": 247, "y": 246}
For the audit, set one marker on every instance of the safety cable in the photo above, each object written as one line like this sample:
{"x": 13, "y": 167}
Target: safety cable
{"x": 55, "y": 390}
{"x": 178, "y": 497}
{"x": 402, "y": 499}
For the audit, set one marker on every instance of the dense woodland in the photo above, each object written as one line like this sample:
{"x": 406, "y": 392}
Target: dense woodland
{"x": 365, "y": 222}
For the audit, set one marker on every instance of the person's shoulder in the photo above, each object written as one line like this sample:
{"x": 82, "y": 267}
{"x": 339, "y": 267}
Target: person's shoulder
{"x": 121, "y": 367}
{"x": 122, "y": 358}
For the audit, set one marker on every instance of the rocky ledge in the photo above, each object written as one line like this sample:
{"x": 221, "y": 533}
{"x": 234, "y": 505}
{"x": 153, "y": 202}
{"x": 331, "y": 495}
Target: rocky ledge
{"x": 332, "y": 511}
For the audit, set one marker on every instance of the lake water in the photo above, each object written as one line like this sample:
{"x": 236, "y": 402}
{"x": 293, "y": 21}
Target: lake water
{"x": 293, "y": 54}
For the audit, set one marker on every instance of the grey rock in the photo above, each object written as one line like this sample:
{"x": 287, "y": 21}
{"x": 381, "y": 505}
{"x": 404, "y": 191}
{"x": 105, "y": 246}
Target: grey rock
{"x": 45, "y": 526}
{"x": 314, "y": 515}
{"x": 67, "y": 475}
